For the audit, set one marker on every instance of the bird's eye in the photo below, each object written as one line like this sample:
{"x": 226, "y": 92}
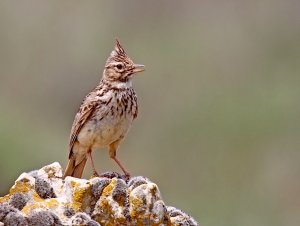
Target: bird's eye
{"x": 119, "y": 66}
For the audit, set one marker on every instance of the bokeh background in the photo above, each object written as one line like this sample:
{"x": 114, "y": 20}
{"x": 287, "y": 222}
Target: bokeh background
{"x": 218, "y": 128}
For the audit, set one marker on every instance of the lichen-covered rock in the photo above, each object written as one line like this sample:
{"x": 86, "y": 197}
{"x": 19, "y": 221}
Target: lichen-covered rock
{"x": 42, "y": 197}
{"x": 178, "y": 217}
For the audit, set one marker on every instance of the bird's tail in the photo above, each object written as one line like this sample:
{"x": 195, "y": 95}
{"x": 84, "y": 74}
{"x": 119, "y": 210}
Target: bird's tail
{"x": 74, "y": 170}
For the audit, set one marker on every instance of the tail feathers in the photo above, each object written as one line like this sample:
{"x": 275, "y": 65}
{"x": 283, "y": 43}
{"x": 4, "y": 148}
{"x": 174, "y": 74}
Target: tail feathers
{"x": 74, "y": 170}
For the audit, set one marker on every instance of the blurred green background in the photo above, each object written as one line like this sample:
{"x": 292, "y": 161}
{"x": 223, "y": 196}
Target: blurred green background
{"x": 218, "y": 127}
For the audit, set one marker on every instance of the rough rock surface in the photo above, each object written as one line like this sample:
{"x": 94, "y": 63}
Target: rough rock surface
{"x": 43, "y": 198}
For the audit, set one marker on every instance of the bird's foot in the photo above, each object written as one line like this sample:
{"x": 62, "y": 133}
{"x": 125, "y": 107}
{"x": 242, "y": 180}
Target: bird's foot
{"x": 95, "y": 174}
{"x": 126, "y": 176}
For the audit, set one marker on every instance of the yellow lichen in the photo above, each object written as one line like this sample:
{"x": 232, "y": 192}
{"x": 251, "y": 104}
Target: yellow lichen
{"x": 108, "y": 189}
{"x": 36, "y": 197}
{"x": 29, "y": 207}
{"x": 106, "y": 205}
{"x": 136, "y": 204}
{"x": 4, "y": 198}
{"x": 52, "y": 203}
{"x": 49, "y": 204}
{"x": 80, "y": 195}
{"x": 21, "y": 187}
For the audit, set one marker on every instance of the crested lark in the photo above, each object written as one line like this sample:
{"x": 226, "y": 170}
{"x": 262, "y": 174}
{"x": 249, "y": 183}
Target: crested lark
{"x": 105, "y": 114}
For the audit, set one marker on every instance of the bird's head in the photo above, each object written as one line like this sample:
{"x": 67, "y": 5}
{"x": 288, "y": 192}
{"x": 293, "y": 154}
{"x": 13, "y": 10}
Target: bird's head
{"x": 119, "y": 68}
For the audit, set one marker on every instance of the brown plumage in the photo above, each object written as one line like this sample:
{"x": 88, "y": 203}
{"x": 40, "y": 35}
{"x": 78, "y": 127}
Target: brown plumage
{"x": 105, "y": 114}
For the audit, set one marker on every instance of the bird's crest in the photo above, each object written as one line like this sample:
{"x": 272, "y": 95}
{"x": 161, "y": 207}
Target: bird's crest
{"x": 119, "y": 48}
{"x": 118, "y": 51}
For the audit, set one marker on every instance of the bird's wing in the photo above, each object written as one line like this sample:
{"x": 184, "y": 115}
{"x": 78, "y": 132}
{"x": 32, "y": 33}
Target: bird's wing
{"x": 85, "y": 112}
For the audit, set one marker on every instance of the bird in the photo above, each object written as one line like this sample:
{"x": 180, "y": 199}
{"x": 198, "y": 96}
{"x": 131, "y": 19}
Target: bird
{"x": 105, "y": 115}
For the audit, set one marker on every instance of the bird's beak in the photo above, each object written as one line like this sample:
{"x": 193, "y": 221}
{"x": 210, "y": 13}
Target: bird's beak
{"x": 138, "y": 68}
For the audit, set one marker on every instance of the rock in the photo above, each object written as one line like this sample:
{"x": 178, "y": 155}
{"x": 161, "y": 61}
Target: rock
{"x": 5, "y": 209}
{"x": 42, "y": 197}
{"x": 43, "y": 218}
{"x": 18, "y": 200}
{"x": 83, "y": 219}
{"x": 178, "y": 217}
{"x": 15, "y": 219}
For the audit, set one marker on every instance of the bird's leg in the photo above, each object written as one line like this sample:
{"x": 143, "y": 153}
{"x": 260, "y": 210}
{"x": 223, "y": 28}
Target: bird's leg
{"x": 113, "y": 152}
{"x": 95, "y": 174}
{"x": 121, "y": 166}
